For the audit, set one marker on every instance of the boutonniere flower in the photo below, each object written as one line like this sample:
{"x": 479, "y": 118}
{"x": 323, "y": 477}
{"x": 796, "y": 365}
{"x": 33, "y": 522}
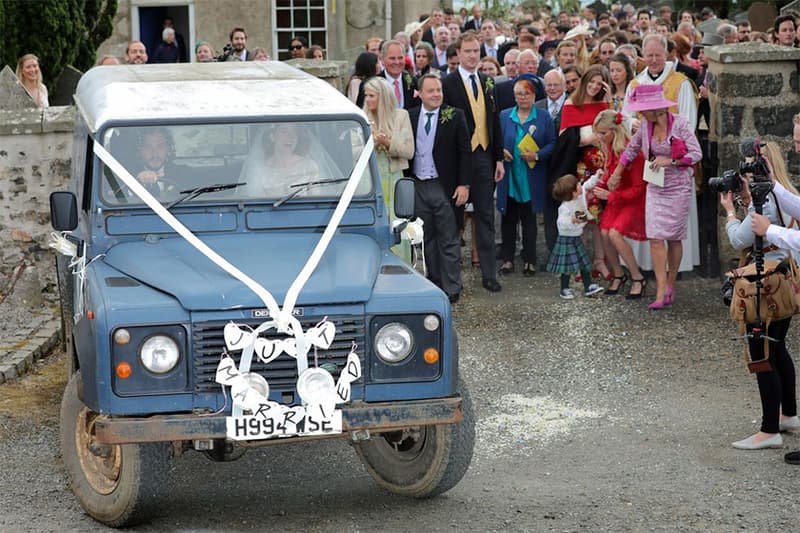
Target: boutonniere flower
{"x": 489, "y": 85}
{"x": 531, "y": 129}
{"x": 407, "y": 80}
{"x": 446, "y": 115}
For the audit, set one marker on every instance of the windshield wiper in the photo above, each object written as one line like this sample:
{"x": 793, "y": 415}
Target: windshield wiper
{"x": 197, "y": 191}
{"x": 303, "y": 187}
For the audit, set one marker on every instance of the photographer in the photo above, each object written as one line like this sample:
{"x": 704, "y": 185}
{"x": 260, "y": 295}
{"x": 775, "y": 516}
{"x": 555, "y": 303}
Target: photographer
{"x": 776, "y": 387}
{"x": 236, "y": 49}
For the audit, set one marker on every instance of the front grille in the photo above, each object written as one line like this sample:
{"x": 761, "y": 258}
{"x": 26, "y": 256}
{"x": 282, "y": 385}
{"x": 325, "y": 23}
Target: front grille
{"x": 208, "y": 343}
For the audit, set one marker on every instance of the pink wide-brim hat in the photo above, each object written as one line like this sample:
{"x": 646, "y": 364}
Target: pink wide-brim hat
{"x": 648, "y": 98}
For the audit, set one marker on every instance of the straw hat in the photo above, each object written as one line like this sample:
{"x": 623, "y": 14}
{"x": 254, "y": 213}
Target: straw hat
{"x": 412, "y": 28}
{"x": 580, "y": 29}
{"x": 648, "y": 98}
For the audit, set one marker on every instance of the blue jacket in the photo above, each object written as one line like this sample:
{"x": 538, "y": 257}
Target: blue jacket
{"x": 545, "y": 137}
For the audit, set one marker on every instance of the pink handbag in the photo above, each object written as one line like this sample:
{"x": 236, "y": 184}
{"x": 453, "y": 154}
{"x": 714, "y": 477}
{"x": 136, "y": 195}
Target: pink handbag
{"x": 677, "y": 148}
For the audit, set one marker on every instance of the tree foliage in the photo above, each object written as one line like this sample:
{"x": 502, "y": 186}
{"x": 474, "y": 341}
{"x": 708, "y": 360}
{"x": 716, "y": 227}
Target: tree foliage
{"x": 59, "y": 32}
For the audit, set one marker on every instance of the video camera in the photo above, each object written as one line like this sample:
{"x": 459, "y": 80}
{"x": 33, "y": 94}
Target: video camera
{"x": 753, "y": 165}
{"x": 755, "y": 168}
{"x": 227, "y": 50}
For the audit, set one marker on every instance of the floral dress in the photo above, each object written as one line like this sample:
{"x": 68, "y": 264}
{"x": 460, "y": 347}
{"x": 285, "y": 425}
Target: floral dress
{"x": 591, "y": 161}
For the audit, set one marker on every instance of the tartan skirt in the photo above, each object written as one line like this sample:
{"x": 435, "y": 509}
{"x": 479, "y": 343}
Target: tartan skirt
{"x": 568, "y": 256}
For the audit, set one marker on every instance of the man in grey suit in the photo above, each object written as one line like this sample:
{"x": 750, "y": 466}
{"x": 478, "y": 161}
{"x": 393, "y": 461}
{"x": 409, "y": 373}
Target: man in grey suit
{"x": 555, "y": 88}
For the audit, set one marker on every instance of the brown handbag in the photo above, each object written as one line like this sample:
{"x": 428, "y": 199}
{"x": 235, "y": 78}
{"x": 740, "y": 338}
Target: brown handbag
{"x": 779, "y": 299}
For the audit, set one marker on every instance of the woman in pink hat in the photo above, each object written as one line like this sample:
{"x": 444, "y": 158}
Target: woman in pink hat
{"x": 667, "y": 142}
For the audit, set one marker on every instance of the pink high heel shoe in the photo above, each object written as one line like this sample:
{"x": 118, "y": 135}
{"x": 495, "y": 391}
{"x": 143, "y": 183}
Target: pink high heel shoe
{"x": 658, "y": 304}
{"x": 669, "y": 296}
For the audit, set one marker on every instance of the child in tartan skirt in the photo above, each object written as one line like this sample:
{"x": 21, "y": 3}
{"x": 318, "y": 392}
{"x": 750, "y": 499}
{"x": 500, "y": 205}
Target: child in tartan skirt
{"x": 569, "y": 255}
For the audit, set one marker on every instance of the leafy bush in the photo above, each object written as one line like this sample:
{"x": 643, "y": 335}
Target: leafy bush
{"x": 59, "y": 32}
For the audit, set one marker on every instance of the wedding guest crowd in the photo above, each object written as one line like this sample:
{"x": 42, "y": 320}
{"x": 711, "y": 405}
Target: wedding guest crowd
{"x": 616, "y": 97}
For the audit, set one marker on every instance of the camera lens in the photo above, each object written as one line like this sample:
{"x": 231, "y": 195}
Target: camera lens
{"x": 729, "y": 182}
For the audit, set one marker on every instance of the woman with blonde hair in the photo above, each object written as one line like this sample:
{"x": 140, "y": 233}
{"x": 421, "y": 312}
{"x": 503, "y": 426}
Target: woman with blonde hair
{"x": 776, "y": 387}
{"x": 30, "y": 77}
{"x": 394, "y": 142}
{"x": 623, "y": 215}
{"x": 578, "y": 35}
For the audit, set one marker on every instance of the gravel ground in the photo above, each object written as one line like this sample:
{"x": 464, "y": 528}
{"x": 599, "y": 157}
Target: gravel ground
{"x": 594, "y": 414}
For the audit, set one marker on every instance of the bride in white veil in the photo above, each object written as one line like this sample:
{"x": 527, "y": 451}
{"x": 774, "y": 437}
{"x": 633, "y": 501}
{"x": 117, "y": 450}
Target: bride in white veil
{"x": 282, "y": 155}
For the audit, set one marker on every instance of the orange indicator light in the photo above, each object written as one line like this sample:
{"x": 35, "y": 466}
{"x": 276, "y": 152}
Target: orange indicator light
{"x": 431, "y": 356}
{"x": 123, "y": 370}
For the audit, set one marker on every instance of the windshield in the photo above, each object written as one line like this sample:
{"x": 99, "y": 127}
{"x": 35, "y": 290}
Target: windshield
{"x": 266, "y": 160}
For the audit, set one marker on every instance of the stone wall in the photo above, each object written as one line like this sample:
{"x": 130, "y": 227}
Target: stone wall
{"x": 754, "y": 90}
{"x": 35, "y": 159}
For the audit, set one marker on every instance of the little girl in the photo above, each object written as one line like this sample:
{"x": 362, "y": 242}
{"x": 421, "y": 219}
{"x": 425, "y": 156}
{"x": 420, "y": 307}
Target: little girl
{"x": 569, "y": 255}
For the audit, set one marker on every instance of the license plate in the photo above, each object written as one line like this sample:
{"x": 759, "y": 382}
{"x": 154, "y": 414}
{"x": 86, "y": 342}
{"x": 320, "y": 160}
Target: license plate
{"x": 291, "y": 424}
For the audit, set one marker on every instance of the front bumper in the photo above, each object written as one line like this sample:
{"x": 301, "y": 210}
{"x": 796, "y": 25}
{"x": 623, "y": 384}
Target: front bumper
{"x": 355, "y": 416}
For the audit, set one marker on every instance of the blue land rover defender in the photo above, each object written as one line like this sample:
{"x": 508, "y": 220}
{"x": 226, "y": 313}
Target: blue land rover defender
{"x": 199, "y": 193}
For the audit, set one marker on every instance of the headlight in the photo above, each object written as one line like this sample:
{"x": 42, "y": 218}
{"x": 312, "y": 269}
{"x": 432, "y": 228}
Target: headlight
{"x": 315, "y": 385}
{"x": 159, "y": 354}
{"x": 394, "y": 342}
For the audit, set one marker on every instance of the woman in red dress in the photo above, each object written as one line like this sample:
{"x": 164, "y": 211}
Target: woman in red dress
{"x": 577, "y": 149}
{"x": 623, "y": 215}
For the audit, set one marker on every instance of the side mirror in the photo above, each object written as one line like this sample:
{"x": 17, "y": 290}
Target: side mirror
{"x": 63, "y": 211}
{"x": 404, "y": 198}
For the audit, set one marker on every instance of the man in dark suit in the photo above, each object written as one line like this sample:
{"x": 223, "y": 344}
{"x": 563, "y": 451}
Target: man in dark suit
{"x": 442, "y": 39}
{"x": 469, "y": 91}
{"x": 475, "y": 22}
{"x": 527, "y": 64}
{"x": 555, "y": 89}
{"x": 489, "y": 47}
{"x": 394, "y": 70}
{"x": 236, "y": 49}
{"x": 554, "y": 86}
{"x": 436, "y": 20}
{"x": 452, "y": 60}
{"x": 402, "y": 83}
{"x": 151, "y": 165}
{"x": 440, "y": 169}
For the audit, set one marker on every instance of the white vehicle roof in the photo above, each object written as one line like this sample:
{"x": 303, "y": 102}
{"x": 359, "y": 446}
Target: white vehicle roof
{"x": 230, "y": 91}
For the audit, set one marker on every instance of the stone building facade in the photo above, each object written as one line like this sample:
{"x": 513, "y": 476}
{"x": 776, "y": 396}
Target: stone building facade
{"x": 340, "y": 26}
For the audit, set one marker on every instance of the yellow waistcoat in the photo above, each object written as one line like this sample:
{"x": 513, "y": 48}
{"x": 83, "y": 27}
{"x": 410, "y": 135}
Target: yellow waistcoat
{"x": 480, "y": 137}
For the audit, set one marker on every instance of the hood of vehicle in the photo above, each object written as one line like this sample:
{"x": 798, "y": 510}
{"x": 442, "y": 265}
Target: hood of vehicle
{"x": 346, "y": 272}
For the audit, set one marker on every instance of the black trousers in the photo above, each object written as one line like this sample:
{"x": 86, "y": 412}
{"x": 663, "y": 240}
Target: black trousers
{"x": 776, "y": 387}
{"x": 550, "y": 215}
{"x": 481, "y": 195}
{"x": 518, "y": 213}
{"x": 440, "y": 230}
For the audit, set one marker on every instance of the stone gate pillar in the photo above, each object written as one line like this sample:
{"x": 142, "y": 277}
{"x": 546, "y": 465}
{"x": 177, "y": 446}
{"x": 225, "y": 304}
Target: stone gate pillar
{"x": 753, "y": 91}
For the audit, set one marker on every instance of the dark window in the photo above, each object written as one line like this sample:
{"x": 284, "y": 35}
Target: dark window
{"x": 306, "y": 18}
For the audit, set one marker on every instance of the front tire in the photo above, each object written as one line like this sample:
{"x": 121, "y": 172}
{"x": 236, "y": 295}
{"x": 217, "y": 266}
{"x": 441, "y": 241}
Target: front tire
{"x": 115, "y": 484}
{"x": 425, "y": 461}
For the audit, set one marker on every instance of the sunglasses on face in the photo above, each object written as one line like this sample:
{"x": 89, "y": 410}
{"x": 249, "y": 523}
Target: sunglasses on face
{"x": 295, "y": 47}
